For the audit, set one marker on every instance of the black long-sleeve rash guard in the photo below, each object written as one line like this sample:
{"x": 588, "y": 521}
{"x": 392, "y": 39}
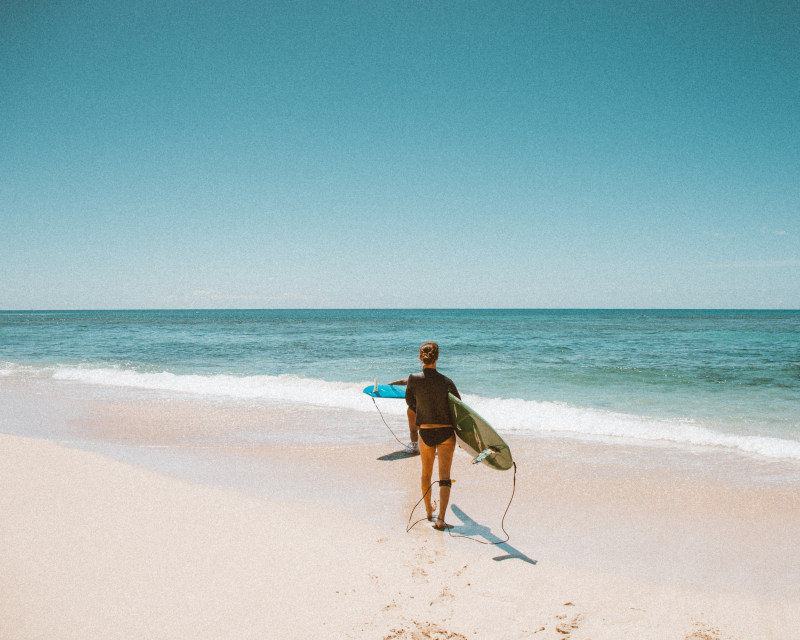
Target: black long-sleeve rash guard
{"x": 426, "y": 395}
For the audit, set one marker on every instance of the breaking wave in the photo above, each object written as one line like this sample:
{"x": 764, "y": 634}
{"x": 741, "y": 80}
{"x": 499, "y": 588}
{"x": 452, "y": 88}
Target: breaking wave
{"x": 507, "y": 415}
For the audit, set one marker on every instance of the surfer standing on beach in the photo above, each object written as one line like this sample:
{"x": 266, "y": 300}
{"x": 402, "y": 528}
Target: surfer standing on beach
{"x": 429, "y": 411}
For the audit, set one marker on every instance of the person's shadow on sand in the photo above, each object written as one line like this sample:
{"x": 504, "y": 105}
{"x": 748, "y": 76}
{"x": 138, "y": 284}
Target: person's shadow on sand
{"x": 472, "y": 529}
{"x": 398, "y": 455}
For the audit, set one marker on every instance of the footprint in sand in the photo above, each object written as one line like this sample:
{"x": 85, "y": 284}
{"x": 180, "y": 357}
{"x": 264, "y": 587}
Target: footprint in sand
{"x": 705, "y": 632}
{"x": 419, "y": 573}
{"x": 446, "y": 594}
{"x": 423, "y": 631}
{"x": 566, "y": 626}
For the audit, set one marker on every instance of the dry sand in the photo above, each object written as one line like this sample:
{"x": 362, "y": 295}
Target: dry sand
{"x": 604, "y": 545}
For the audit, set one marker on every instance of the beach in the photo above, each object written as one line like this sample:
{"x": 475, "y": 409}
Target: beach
{"x": 223, "y": 226}
{"x": 146, "y": 536}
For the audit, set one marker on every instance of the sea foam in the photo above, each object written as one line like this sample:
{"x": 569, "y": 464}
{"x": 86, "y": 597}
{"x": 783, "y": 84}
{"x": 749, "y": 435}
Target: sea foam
{"x": 562, "y": 419}
{"x": 507, "y": 415}
{"x": 285, "y": 388}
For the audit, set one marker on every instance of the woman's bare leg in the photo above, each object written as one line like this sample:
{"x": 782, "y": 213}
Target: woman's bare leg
{"x": 445, "y": 451}
{"x": 413, "y": 429}
{"x": 427, "y": 455}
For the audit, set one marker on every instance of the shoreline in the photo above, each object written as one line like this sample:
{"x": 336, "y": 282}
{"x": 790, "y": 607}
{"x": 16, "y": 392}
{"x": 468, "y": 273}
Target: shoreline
{"x": 320, "y": 411}
{"x": 67, "y": 409}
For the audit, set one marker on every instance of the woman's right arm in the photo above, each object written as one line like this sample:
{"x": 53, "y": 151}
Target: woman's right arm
{"x": 411, "y": 395}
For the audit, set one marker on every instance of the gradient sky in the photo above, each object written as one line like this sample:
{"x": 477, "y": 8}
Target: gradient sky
{"x": 399, "y": 154}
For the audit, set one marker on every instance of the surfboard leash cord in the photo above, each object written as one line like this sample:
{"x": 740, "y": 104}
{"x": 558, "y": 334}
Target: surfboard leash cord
{"x": 410, "y": 526}
{"x": 405, "y": 444}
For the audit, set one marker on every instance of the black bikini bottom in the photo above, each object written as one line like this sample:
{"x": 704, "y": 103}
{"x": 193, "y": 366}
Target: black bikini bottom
{"x": 436, "y": 435}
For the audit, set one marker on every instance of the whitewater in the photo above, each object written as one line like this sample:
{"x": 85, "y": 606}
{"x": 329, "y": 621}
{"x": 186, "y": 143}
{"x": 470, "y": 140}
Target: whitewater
{"x": 514, "y": 416}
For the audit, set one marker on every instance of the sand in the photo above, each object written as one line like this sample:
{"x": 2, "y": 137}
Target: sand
{"x": 603, "y": 546}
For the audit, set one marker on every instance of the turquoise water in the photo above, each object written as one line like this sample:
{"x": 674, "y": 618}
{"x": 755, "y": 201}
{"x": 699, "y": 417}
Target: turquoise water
{"x": 700, "y": 378}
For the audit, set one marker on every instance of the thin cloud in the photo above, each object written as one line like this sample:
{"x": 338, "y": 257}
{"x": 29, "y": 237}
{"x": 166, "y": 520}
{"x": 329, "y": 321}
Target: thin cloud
{"x": 775, "y": 232}
{"x": 761, "y": 264}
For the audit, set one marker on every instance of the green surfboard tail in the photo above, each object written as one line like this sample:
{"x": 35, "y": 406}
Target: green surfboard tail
{"x": 478, "y": 438}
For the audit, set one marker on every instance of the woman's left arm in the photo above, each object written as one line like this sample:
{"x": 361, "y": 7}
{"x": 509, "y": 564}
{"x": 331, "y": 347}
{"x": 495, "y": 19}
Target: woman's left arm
{"x": 451, "y": 388}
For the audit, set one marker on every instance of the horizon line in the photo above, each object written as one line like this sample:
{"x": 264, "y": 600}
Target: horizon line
{"x": 121, "y": 309}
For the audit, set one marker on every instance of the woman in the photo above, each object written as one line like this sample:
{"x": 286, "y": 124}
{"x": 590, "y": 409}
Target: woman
{"x": 429, "y": 410}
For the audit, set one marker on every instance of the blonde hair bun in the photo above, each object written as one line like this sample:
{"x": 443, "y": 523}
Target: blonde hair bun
{"x": 429, "y": 353}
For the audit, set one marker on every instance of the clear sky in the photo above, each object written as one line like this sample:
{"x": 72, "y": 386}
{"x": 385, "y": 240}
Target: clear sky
{"x": 399, "y": 154}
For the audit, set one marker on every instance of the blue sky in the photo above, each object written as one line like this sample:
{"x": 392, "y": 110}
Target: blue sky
{"x": 399, "y": 154}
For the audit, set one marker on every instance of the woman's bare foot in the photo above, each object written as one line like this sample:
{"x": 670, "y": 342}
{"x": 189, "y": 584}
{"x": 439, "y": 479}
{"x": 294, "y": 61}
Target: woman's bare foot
{"x": 431, "y": 510}
{"x": 441, "y": 525}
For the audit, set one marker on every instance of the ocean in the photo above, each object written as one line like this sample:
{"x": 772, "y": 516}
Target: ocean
{"x": 707, "y": 380}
